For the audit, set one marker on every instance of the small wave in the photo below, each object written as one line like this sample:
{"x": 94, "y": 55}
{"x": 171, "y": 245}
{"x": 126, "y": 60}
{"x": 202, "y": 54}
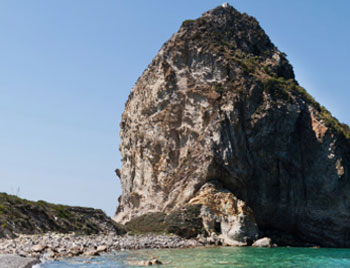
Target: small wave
{"x": 38, "y": 265}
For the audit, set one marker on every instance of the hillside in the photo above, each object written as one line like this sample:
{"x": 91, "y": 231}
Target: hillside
{"x": 20, "y": 216}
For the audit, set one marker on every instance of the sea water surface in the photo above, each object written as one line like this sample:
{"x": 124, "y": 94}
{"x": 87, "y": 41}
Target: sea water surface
{"x": 218, "y": 257}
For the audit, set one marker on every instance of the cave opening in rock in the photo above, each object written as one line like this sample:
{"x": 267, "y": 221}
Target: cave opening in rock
{"x": 217, "y": 227}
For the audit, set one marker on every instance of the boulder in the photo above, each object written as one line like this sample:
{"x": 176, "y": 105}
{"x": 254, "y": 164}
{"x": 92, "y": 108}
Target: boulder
{"x": 38, "y": 248}
{"x": 263, "y": 243}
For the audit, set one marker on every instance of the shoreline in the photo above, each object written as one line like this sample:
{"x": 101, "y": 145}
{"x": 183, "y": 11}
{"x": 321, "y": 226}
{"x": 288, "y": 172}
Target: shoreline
{"x": 25, "y": 251}
{"x": 55, "y": 246}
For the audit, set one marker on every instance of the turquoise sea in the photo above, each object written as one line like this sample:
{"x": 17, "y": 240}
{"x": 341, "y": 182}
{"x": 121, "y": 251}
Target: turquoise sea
{"x": 218, "y": 257}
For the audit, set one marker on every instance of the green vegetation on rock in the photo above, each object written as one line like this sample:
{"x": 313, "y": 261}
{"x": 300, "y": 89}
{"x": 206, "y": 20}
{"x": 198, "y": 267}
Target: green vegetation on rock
{"x": 187, "y": 22}
{"x": 184, "y": 222}
{"x": 279, "y": 87}
{"x": 331, "y": 121}
{"x": 148, "y": 223}
{"x": 285, "y": 89}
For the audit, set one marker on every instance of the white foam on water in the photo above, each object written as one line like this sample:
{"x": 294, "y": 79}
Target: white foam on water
{"x": 38, "y": 265}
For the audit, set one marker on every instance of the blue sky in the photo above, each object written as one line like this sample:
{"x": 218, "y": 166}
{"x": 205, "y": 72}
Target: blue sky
{"x": 67, "y": 67}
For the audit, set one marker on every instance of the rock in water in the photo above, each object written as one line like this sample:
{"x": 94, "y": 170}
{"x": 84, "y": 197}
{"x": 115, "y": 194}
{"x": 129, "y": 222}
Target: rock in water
{"x": 262, "y": 243}
{"x": 218, "y": 119}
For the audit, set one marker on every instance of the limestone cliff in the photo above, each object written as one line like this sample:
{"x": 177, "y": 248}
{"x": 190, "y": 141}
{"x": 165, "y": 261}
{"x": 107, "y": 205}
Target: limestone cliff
{"x": 218, "y": 119}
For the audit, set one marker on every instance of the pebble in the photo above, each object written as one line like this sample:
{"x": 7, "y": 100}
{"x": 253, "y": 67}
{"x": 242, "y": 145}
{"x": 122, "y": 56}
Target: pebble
{"x": 56, "y": 245}
{"x": 150, "y": 262}
{"x": 38, "y": 248}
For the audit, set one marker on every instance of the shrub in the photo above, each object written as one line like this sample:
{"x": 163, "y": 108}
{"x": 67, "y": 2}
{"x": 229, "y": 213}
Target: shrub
{"x": 332, "y": 122}
{"x": 278, "y": 87}
{"x": 307, "y": 97}
{"x": 62, "y": 211}
{"x": 187, "y": 22}
{"x": 3, "y": 209}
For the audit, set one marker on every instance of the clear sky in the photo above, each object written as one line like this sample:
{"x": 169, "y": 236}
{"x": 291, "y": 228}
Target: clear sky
{"x": 67, "y": 67}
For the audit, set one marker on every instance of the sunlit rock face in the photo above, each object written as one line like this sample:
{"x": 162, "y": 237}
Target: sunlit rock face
{"x": 219, "y": 105}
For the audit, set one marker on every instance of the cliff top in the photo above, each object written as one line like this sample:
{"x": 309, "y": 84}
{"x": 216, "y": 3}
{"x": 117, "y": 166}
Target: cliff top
{"x": 238, "y": 37}
{"x": 235, "y": 38}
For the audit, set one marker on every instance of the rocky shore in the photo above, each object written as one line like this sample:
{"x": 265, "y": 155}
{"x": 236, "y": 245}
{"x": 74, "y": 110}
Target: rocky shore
{"x": 53, "y": 246}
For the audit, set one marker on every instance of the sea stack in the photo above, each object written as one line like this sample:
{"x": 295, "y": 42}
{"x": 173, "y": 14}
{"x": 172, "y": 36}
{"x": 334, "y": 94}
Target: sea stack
{"x": 219, "y": 121}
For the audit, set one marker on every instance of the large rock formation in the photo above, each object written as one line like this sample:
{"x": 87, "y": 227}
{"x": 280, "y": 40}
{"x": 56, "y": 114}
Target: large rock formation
{"x": 218, "y": 119}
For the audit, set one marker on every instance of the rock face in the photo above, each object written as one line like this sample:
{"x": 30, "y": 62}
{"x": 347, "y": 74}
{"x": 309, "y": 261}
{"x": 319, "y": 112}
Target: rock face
{"x": 223, "y": 213}
{"x": 218, "y": 119}
{"x": 20, "y": 216}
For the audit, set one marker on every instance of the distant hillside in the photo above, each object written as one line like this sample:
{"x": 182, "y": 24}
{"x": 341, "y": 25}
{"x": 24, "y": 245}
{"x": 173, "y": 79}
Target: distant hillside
{"x": 19, "y": 216}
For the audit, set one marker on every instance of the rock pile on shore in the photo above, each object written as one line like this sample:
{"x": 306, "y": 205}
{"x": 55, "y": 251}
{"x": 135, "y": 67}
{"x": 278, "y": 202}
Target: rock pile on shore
{"x": 54, "y": 246}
